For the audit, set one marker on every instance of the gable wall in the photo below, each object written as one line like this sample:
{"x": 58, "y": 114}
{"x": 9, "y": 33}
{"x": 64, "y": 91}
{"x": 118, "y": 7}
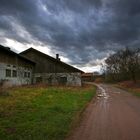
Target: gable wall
{"x": 12, "y": 62}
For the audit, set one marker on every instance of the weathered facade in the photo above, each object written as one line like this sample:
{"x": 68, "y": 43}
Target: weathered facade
{"x": 52, "y": 71}
{"x": 14, "y": 68}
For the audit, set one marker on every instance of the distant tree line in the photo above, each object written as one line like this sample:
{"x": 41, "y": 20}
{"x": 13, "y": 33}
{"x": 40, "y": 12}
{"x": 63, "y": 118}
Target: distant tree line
{"x": 123, "y": 65}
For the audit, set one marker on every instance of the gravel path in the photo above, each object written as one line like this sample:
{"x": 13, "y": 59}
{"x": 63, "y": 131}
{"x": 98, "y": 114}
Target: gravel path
{"x": 114, "y": 115}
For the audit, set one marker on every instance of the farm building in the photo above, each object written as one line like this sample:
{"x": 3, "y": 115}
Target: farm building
{"x": 87, "y": 77}
{"x": 51, "y": 70}
{"x": 14, "y": 68}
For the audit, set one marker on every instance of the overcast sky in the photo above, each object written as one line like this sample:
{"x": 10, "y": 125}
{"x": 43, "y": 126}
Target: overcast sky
{"x": 83, "y": 32}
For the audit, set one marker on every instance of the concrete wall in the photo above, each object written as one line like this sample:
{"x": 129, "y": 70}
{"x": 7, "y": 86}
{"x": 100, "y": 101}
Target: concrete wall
{"x": 68, "y": 79}
{"x": 20, "y": 79}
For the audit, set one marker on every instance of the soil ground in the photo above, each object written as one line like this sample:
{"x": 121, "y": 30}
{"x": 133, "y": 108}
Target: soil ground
{"x": 114, "y": 115}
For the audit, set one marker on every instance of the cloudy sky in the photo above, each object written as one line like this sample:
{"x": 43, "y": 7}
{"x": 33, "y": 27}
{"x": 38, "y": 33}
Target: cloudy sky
{"x": 83, "y": 32}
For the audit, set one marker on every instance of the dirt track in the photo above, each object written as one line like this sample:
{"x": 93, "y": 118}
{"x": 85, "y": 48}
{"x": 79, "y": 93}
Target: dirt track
{"x": 114, "y": 115}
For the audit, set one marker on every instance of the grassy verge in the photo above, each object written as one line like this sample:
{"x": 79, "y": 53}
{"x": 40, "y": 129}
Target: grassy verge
{"x": 41, "y": 113}
{"x": 133, "y": 90}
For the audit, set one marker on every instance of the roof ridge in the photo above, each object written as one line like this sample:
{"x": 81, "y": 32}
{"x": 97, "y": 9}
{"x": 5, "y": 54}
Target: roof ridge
{"x": 14, "y": 53}
{"x": 50, "y": 57}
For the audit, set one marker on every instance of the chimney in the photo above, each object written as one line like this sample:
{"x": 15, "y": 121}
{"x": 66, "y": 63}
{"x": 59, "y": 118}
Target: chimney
{"x": 57, "y": 57}
{"x": 8, "y": 48}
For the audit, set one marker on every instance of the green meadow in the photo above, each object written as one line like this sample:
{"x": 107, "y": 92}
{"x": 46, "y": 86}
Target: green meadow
{"x": 42, "y": 113}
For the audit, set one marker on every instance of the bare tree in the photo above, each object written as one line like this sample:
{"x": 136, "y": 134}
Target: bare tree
{"x": 123, "y": 65}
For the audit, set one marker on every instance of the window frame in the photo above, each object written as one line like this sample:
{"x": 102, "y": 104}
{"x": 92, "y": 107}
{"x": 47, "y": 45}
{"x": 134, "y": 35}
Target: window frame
{"x": 8, "y": 73}
{"x": 14, "y": 73}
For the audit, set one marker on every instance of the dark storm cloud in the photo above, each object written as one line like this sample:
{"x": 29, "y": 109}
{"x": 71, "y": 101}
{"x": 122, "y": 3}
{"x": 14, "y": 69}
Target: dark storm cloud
{"x": 83, "y": 30}
{"x": 16, "y": 7}
{"x": 78, "y": 6}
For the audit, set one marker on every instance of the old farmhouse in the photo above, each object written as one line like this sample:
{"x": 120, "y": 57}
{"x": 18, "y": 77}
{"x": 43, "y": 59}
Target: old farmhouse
{"x": 14, "y": 69}
{"x": 51, "y": 70}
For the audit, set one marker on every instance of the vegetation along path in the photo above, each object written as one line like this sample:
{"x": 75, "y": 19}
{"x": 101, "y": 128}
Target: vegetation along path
{"x": 115, "y": 115}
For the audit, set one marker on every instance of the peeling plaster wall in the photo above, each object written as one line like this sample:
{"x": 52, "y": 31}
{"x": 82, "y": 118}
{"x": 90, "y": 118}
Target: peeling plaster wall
{"x": 20, "y": 79}
{"x": 68, "y": 79}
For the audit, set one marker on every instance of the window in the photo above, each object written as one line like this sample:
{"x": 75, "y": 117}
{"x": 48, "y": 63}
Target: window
{"x": 63, "y": 80}
{"x": 29, "y": 74}
{"x": 8, "y": 73}
{"x": 39, "y": 79}
{"x": 14, "y": 73}
{"x": 20, "y": 73}
{"x": 25, "y": 74}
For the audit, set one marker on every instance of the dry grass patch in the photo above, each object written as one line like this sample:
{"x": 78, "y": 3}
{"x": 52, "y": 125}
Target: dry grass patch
{"x": 130, "y": 86}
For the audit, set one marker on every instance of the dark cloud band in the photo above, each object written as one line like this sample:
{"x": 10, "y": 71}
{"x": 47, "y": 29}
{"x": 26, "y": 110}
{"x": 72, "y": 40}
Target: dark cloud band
{"x": 82, "y": 29}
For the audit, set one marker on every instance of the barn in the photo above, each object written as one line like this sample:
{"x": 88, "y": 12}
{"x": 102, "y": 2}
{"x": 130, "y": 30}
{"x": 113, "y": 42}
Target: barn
{"x": 52, "y": 71}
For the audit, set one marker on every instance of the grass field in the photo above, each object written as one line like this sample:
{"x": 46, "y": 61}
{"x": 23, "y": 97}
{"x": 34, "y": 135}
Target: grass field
{"x": 39, "y": 113}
